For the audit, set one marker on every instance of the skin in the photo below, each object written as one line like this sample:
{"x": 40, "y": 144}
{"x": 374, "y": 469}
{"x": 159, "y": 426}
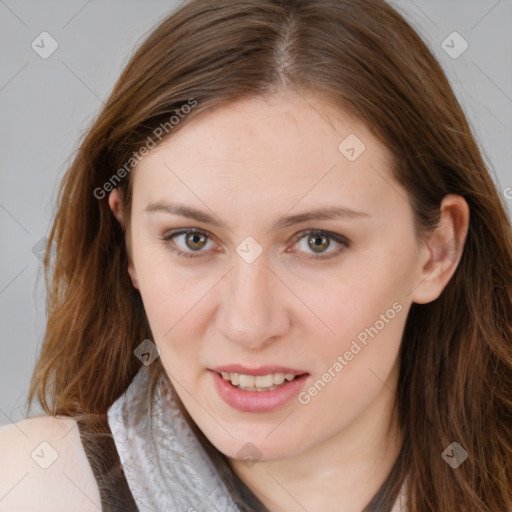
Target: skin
{"x": 248, "y": 163}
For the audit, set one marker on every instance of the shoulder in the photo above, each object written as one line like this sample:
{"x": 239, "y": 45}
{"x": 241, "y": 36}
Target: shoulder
{"x": 43, "y": 467}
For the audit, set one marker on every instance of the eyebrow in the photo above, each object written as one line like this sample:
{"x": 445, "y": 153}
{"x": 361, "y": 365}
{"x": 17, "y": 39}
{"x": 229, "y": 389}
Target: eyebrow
{"x": 326, "y": 213}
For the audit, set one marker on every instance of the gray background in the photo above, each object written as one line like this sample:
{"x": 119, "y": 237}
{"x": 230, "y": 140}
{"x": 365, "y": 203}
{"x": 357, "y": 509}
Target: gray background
{"x": 47, "y": 104}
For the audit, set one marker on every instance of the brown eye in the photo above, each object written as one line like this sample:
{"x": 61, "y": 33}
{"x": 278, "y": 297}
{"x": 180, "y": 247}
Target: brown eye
{"x": 318, "y": 243}
{"x": 188, "y": 243}
{"x": 195, "y": 241}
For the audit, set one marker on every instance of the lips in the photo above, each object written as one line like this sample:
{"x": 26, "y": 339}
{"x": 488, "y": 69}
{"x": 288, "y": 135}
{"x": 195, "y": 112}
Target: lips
{"x": 255, "y": 399}
{"x": 260, "y": 370}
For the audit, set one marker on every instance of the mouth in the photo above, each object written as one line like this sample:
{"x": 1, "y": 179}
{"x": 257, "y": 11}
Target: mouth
{"x": 259, "y": 389}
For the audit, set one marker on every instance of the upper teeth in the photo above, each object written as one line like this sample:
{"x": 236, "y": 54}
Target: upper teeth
{"x": 258, "y": 381}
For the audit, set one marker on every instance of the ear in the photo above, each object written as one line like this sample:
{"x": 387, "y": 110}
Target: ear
{"x": 442, "y": 250}
{"x": 115, "y": 201}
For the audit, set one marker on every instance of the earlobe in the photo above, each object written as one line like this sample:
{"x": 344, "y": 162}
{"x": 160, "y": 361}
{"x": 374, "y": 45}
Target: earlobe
{"x": 133, "y": 275}
{"x": 116, "y": 205}
{"x": 443, "y": 250}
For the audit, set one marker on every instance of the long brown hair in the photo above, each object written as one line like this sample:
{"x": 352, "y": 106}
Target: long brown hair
{"x": 455, "y": 381}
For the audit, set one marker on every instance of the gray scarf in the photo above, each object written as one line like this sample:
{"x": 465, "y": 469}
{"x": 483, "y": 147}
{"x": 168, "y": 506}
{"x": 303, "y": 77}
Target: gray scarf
{"x": 166, "y": 467}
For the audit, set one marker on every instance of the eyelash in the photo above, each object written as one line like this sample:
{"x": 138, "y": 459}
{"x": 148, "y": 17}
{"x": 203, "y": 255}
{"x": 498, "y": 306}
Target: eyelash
{"x": 345, "y": 243}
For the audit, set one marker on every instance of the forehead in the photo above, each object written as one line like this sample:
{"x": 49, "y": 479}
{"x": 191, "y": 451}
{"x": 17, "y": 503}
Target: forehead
{"x": 282, "y": 148}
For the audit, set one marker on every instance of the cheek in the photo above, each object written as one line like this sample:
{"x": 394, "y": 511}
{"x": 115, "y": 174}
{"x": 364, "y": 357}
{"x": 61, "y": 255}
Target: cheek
{"x": 166, "y": 290}
{"x": 365, "y": 309}
{"x": 354, "y": 366}
{"x": 368, "y": 295}
{"x": 174, "y": 301}
{"x": 366, "y": 331}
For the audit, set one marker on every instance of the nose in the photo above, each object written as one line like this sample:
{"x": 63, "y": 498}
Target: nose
{"x": 253, "y": 310}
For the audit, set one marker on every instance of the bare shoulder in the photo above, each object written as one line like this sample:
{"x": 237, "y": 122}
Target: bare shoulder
{"x": 43, "y": 467}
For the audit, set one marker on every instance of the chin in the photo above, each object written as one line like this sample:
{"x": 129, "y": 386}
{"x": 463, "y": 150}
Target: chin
{"x": 257, "y": 448}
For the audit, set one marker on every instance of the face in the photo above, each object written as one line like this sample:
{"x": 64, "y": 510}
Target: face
{"x": 266, "y": 243}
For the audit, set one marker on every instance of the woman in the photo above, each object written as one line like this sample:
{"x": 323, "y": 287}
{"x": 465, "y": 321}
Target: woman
{"x": 282, "y": 280}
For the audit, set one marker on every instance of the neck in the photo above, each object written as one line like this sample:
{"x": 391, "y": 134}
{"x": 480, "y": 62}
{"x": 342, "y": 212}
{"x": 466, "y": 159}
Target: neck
{"x": 342, "y": 473}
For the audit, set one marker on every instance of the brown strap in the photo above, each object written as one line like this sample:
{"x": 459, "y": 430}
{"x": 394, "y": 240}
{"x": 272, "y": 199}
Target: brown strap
{"x": 106, "y": 466}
